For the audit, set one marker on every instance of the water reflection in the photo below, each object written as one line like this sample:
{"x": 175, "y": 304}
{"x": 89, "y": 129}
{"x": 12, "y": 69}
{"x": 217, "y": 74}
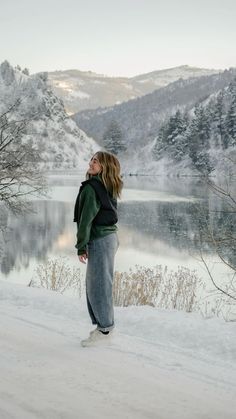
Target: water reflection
{"x": 156, "y": 227}
{"x": 178, "y": 224}
{"x": 31, "y": 235}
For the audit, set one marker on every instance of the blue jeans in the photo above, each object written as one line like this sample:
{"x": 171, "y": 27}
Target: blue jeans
{"x": 99, "y": 281}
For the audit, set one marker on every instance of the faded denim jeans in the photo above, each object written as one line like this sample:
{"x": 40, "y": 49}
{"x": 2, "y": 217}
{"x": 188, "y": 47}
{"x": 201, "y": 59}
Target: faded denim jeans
{"x": 99, "y": 281}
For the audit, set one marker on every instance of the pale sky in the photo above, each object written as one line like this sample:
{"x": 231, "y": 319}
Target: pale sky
{"x": 117, "y": 37}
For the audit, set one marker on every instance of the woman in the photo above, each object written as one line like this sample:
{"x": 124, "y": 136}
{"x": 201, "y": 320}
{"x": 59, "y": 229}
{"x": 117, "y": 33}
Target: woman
{"x": 97, "y": 243}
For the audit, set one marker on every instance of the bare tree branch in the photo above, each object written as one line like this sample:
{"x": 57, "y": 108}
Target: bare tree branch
{"x": 221, "y": 191}
{"x": 223, "y": 241}
{"x": 212, "y": 279}
{"x": 20, "y": 174}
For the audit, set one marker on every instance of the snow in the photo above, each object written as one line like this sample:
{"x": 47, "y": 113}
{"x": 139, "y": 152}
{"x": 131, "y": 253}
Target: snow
{"x": 161, "y": 364}
{"x": 162, "y": 78}
{"x": 61, "y": 142}
{"x": 99, "y": 82}
{"x": 80, "y": 94}
{"x": 64, "y": 85}
{"x": 128, "y": 86}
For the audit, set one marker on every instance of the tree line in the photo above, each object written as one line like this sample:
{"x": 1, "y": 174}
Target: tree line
{"x": 194, "y": 135}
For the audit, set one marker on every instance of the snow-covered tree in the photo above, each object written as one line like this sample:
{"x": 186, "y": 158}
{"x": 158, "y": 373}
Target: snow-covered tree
{"x": 172, "y": 139}
{"x": 218, "y": 113}
{"x": 231, "y": 115}
{"x": 113, "y": 139}
{"x": 199, "y": 136}
{"x": 196, "y": 135}
{"x": 7, "y": 73}
{"x": 26, "y": 71}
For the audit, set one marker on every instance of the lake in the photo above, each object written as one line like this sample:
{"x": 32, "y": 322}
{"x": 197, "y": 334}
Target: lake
{"x": 159, "y": 223}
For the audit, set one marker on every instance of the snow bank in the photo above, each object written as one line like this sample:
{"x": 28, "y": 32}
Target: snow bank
{"x": 161, "y": 364}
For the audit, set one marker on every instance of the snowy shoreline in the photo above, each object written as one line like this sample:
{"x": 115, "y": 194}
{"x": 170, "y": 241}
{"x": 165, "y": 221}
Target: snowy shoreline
{"x": 161, "y": 364}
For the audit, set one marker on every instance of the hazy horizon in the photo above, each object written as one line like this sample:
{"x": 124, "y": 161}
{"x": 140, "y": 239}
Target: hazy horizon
{"x": 132, "y": 76}
{"x": 118, "y": 39}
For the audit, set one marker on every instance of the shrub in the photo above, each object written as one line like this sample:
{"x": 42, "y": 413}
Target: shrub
{"x": 157, "y": 287}
{"x": 57, "y": 275}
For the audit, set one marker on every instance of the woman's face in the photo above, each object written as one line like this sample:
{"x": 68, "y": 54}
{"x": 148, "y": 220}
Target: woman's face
{"x": 94, "y": 166}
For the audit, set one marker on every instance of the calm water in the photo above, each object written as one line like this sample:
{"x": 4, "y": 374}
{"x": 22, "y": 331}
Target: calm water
{"x": 159, "y": 224}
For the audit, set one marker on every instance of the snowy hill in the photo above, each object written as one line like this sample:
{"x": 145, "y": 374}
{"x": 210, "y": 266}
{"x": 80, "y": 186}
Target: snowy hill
{"x": 81, "y": 90}
{"x": 59, "y": 140}
{"x": 203, "y": 138}
{"x": 160, "y": 364}
{"x": 140, "y": 119}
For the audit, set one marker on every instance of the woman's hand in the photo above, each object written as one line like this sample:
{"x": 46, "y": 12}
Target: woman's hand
{"x": 82, "y": 258}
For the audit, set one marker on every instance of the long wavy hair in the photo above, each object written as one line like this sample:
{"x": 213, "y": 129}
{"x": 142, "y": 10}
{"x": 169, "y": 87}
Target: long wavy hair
{"x": 110, "y": 172}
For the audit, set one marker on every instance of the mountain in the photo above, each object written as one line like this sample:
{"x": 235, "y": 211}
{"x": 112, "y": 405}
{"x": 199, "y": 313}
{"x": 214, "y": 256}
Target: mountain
{"x": 81, "y": 90}
{"x": 56, "y": 136}
{"x": 141, "y": 118}
{"x": 205, "y": 137}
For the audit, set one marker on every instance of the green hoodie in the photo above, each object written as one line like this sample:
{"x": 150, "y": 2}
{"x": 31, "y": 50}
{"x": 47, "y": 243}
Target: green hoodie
{"x": 89, "y": 205}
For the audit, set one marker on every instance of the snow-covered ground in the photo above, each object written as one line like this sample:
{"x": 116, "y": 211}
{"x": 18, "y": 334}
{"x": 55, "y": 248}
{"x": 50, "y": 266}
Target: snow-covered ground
{"x": 160, "y": 364}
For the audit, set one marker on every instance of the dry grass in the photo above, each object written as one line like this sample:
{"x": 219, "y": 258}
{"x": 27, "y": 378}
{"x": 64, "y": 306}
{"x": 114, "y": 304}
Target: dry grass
{"x": 157, "y": 287}
{"x": 57, "y": 275}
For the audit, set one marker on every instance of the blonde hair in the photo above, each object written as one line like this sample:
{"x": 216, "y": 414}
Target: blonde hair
{"x": 110, "y": 172}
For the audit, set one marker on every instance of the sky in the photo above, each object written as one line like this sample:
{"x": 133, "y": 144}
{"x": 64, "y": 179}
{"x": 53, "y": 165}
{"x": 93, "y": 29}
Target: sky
{"x": 117, "y": 37}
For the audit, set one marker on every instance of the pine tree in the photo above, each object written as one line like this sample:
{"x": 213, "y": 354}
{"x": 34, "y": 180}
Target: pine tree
{"x": 213, "y": 126}
{"x": 7, "y": 73}
{"x": 218, "y": 119}
{"x": 159, "y": 146}
{"x": 199, "y": 135}
{"x": 171, "y": 139}
{"x": 179, "y": 138}
{"x": 26, "y": 71}
{"x": 113, "y": 139}
{"x": 231, "y": 116}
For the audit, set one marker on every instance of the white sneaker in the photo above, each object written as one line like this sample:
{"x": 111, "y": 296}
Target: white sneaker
{"x": 93, "y": 331}
{"x": 96, "y": 338}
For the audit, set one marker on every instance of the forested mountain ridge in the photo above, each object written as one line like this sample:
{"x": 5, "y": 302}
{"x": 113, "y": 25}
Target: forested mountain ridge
{"x": 202, "y": 136}
{"x": 140, "y": 119}
{"x": 48, "y": 128}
